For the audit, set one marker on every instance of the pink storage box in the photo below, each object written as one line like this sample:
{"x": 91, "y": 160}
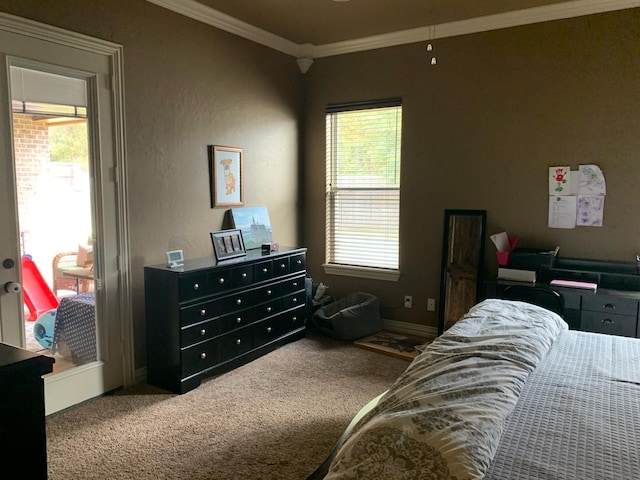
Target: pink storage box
{"x": 503, "y": 257}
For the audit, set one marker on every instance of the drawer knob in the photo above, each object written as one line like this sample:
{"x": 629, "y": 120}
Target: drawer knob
{"x": 299, "y": 262}
{"x": 269, "y": 329}
{"x": 221, "y": 281}
{"x": 203, "y": 355}
{"x": 238, "y": 341}
{"x": 607, "y": 320}
{"x": 265, "y": 270}
{"x": 203, "y": 312}
{"x": 268, "y": 309}
{"x": 196, "y": 286}
{"x": 239, "y": 320}
{"x": 269, "y": 292}
{"x": 609, "y": 305}
{"x": 294, "y": 299}
{"x": 244, "y": 274}
{"x": 203, "y": 332}
{"x": 295, "y": 284}
{"x": 295, "y": 319}
{"x": 239, "y": 301}
{"x": 282, "y": 265}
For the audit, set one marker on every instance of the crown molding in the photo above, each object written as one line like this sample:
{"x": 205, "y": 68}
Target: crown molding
{"x": 307, "y": 52}
{"x": 516, "y": 18}
{"x": 202, "y": 13}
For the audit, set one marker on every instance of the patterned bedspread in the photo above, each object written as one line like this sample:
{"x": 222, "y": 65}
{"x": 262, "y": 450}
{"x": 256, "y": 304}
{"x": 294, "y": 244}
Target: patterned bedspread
{"x": 445, "y": 415}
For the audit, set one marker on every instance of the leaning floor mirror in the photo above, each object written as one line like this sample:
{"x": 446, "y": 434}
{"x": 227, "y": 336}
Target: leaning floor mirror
{"x": 462, "y": 264}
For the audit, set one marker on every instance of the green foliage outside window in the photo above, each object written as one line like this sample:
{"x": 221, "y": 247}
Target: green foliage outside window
{"x": 68, "y": 143}
{"x": 380, "y": 158}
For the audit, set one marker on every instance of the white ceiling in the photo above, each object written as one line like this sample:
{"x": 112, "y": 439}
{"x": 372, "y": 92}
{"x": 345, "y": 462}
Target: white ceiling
{"x": 308, "y": 29}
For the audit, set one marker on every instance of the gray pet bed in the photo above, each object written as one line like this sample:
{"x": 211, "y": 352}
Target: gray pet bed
{"x": 354, "y": 316}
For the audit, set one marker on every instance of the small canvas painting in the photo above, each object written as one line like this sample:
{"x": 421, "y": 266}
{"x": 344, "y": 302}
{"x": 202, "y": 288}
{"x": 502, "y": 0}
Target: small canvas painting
{"x": 255, "y": 225}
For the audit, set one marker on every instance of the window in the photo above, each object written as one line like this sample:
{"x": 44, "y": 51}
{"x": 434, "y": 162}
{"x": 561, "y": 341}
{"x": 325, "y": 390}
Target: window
{"x": 363, "y": 188}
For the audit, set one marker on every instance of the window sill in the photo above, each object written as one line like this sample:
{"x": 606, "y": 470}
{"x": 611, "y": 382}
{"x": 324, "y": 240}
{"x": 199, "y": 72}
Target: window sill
{"x": 361, "y": 272}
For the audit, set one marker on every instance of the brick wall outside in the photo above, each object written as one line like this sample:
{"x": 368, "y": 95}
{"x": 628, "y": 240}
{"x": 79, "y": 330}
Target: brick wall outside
{"x": 31, "y": 143}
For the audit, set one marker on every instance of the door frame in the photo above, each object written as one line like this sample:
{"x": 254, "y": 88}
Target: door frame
{"x": 114, "y": 53}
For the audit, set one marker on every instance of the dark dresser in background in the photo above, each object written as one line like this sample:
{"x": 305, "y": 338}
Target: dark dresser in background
{"x": 23, "y": 440}
{"x": 614, "y": 308}
{"x": 208, "y": 317}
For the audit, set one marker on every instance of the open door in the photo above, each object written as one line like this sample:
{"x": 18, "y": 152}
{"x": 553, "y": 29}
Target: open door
{"x": 462, "y": 263}
{"x": 44, "y": 69}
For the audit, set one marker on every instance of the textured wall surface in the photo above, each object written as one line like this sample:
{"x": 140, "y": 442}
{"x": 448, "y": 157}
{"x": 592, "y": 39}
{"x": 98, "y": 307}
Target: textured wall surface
{"x": 480, "y": 130}
{"x": 189, "y": 85}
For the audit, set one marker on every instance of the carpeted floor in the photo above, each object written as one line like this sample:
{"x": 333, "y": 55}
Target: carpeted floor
{"x": 277, "y": 417}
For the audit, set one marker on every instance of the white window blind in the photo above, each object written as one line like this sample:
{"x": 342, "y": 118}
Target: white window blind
{"x": 363, "y": 184}
{"x": 47, "y": 94}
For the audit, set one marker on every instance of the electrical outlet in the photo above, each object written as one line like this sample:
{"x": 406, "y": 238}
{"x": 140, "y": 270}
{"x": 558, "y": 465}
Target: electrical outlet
{"x": 408, "y": 301}
{"x": 431, "y": 304}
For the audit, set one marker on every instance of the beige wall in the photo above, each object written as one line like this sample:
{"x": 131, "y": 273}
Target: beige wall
{"x": 189, "y": 85}
{"x": 480, "y": 130}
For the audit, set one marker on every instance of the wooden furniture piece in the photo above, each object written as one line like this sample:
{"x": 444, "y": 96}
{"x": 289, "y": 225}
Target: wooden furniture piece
{"x": 613, "y": 308}
{"x": 22, "y": 417}
{"x": 208, "y": 317}
{"x": 68, "y": 275}
{"x": 462, "y": 263}
{"x": 609, "y": 311}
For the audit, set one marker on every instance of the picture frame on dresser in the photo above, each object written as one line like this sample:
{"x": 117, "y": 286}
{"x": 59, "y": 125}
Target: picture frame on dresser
{"x": 228, "y": 244}
{"x": 227, "y": 176}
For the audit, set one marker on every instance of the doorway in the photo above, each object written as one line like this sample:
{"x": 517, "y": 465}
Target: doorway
{"x": 52, "y": 171}
{"x": 94, "y": 67}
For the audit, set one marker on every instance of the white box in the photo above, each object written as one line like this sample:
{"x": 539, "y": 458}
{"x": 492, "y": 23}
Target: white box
{"x": 517, "y": 275}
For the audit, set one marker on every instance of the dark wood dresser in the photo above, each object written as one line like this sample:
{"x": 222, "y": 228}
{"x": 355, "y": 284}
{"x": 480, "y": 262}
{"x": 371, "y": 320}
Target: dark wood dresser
{"x": 22, "y": 413}
{"x": 208, "y": 317}
{"x": 613, "y": 309}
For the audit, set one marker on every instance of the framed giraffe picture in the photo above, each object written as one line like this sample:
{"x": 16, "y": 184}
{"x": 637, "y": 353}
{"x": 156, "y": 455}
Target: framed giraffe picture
{"x": 227, "y": 176}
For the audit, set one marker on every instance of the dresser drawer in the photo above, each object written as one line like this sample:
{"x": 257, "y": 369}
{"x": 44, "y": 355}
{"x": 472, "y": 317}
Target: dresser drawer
{"x": 610, "y": 304}
{"x": 199, "y": 332}
{"x": 236, "y": 301}
{"x": 294, "y": 300}
{"x": 610, "y": 323}
{"x": 298, "y": 263}
{"x": 199, "y": 357}
{"x": 264, "y": 294}
{"x": 263, "y": 271}
{"x": 239, "y": 319}
{"x": 292, "y": 285}
{"x": 267, "y": 330}
{"x": 281, "y": 266}
{"x": 242, "y": 276}
{"x": 293, "y": 319}
{"x": 235, "y": 343}
{"x": 200, "y": 284}
{"x": 200, "y": 312}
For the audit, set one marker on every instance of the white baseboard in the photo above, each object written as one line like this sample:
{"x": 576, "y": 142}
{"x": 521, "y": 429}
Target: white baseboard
{"x": 410, "y": 328}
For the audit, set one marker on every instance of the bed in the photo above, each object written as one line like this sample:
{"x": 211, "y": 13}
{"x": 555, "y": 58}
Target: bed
{"x": 507, "y": 393}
